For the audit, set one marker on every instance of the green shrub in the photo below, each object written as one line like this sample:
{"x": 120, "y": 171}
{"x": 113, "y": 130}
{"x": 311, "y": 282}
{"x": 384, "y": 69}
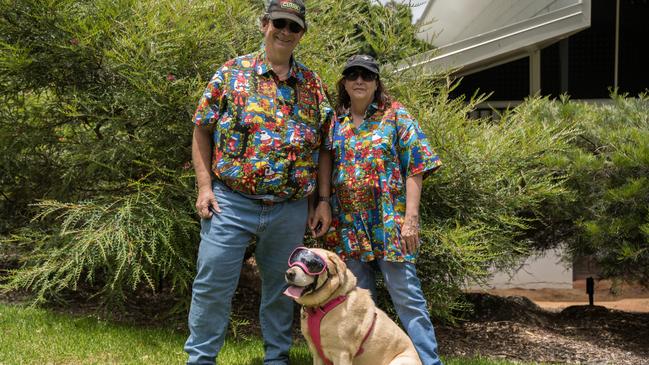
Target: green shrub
{"x": 95, "y": 127}
{"x": 96, "y": 184}
{"x": 95, "y": 170}
{"x": 607, "y": 170}
{"x": 479, "y": 208}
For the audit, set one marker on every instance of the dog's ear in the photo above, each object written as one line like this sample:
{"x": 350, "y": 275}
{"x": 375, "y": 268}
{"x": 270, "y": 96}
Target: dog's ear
{"x": 335, "y": 261}
{"x": 342, "y": 271}
{"x": 338, "y": 269}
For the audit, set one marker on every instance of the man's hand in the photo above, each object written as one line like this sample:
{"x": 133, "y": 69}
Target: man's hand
{"x": 201, "y": 157}
{"x": 310, "y": 211}
{"x": 410, "y": 235}
{"x": 206, "y": 204}
{"x": 320, "y": 220}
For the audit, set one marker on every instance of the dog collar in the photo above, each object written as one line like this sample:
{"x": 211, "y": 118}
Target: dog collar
{"x": 315, "y": 315}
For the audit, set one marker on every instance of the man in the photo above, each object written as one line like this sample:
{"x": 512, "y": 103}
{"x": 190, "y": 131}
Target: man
{"x": 258, "y": 131}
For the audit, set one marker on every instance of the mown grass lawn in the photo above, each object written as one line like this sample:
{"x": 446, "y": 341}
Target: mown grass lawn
{"x": 38, "y": 336}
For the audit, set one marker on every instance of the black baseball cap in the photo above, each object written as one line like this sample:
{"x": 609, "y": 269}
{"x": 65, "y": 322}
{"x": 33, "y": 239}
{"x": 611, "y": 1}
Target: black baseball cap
{"x": 288, "y": 9}
{"x": 364, "y": 61}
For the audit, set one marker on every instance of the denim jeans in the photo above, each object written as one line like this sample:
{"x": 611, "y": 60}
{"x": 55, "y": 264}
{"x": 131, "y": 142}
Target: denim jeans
{"x": 408, "y": 299}
{"x": 279, "y": 228}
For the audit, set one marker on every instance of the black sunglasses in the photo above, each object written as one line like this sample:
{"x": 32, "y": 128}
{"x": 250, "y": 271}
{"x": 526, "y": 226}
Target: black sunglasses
{"x": 353, "y": 74}
{"x": 280, "y": 24}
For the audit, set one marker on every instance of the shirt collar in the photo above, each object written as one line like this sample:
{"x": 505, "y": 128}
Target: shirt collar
{"x": 371, "y": 109}
{"x": 262, "y": 66}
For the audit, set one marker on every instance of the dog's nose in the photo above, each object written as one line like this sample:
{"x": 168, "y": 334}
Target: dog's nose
{"x": 290, "y": 275}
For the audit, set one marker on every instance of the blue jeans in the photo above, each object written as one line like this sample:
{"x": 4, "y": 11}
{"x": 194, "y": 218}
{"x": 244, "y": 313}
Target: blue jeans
{"x": 408, "y": 299}
{"x": 279, "y": 228}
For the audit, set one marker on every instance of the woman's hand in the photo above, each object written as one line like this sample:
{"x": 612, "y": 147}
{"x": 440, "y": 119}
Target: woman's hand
{"x": 410, "y": 228}
{"x": 410, "y": 235}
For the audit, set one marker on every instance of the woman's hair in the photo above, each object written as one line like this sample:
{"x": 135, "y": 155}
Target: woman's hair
{"x": 343, "y": 102}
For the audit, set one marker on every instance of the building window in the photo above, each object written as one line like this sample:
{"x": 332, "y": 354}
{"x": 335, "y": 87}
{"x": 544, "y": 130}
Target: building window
{"x": 633, "y": 72}
{"x": 509, "y": 81}
{"x": 591, "y": 55}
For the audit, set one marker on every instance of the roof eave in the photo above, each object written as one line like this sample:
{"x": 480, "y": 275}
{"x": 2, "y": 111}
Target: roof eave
{"x": 504, "y": 44}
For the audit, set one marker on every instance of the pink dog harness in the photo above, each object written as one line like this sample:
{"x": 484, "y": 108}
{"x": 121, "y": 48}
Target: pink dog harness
{"x": 315, "y": 315}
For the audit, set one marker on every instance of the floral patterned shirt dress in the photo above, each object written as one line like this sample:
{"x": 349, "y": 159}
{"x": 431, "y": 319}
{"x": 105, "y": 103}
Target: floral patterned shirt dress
{"x": 371, "y": 164}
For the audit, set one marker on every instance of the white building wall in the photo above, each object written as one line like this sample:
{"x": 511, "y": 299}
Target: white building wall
{"x": 544, "y": 271}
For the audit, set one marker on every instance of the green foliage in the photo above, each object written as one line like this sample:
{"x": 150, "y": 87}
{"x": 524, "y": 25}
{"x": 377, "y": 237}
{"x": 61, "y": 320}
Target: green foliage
{"x": 478, "y": 209}
{"x": 95, "y": 183}
{"x": 97, "y": 98}
{"x": 607, "y": 168}
{"x": 339, "y": 29}
{"x": 118, "y": 243}
{"x": 91, "y": 89}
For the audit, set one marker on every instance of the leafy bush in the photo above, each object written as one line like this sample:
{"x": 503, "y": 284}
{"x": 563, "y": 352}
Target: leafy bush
{"x": 95, "y": 127}
{"x": 607, "y": 170}
{"x": 96, "y": 184}
{"x": 478, "y": 209}
{"x": 99, "y": 96}
{"x": 114, "y": 243}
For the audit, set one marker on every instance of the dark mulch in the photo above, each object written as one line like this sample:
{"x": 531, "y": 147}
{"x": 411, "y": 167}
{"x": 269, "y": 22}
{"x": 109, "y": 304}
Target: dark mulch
{"x": 515, "y": 328}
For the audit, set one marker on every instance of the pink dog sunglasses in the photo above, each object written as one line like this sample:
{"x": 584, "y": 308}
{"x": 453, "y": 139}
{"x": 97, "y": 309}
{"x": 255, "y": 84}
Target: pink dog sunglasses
{"x": 309, "y": 261}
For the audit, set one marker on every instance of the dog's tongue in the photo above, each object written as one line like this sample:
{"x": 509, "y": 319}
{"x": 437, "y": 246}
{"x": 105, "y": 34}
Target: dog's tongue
{"x": 294, "y": 291}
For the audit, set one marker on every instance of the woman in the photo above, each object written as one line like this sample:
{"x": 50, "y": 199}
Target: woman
{"x": 380, "y": 157}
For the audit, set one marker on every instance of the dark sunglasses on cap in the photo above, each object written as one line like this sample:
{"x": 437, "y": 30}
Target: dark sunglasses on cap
{"x": 354, "y": 73}
{"x": 280, "y": 24}
{"x": 307, "y": 260}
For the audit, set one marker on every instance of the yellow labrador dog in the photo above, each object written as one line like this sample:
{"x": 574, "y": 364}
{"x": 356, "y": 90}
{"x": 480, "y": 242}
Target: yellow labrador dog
{"x": 340, "y": 322}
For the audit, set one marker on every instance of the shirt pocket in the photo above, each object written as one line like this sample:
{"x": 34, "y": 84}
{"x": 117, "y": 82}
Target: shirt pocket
{"x": 233, "y": 142}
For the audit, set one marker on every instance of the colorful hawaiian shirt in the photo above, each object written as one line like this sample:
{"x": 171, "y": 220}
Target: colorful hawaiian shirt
{"x": 267, "y": 132}
{"x": 371, "y": 164}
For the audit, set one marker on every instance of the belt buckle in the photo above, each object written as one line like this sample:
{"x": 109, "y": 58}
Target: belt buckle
{"x": 267, "y": 203}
